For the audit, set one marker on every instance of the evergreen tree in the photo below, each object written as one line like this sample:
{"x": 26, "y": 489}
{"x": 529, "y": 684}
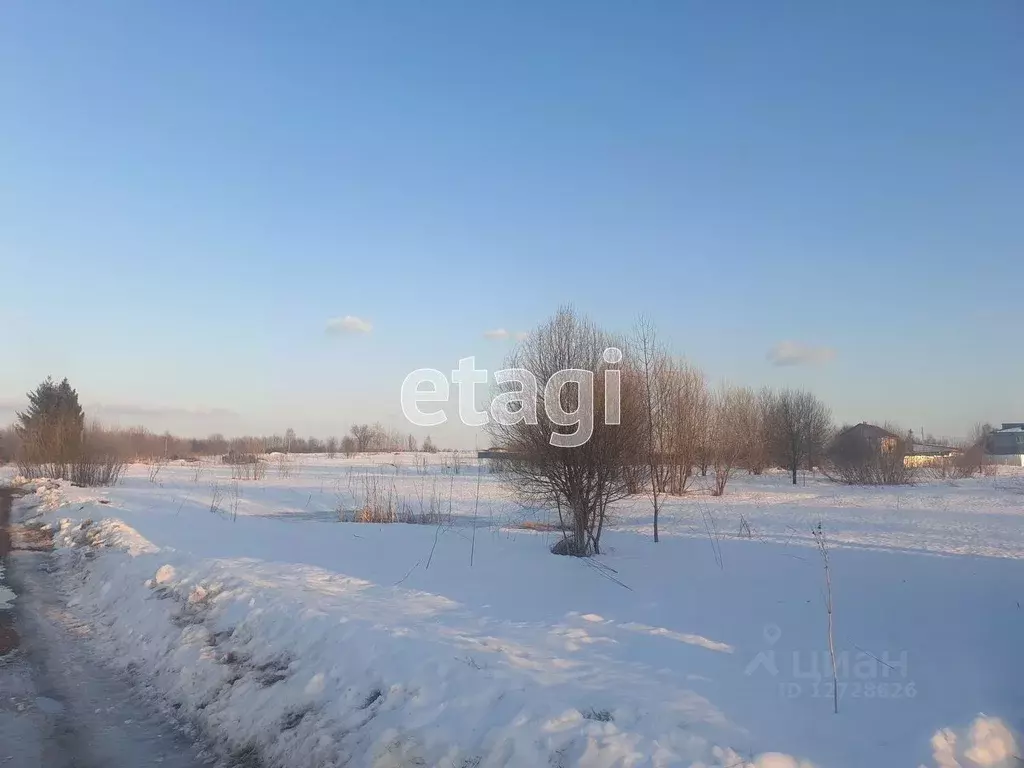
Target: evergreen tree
{"x": 51, "y": 428}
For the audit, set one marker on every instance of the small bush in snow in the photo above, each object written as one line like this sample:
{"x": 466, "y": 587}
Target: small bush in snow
{"x": 856, "y": 459}
{"x": 91, "y": 471}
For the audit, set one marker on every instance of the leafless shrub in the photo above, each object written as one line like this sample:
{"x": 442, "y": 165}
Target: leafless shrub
{"x": 373, "y": 498}
{"x": 10, "y": 444}
{"x": 381, "y": 503}
{"x": 91, "y": 470}
{"x": 154, "y": 470}
{"x": 284, "y": 465}
{"x": 854, "y": 458}
{"x": 246, "y": 466}
{"x": 581, "y": 481}
{"x": 420, "y": 463}
{"x": 81, "y": 461}
{"x": 959, "y": 466}
{"x": 239, "y": 458}
{"x": 216, "y": 497}
{"x": 688, "y": 405}
{"x": 236, "y": 500}
{"x": 452, "y": 462}
{"x": 733, "y": 418}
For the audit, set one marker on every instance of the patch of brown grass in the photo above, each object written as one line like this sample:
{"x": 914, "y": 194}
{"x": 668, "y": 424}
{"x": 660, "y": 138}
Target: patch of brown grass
{"x": 532, "y": 525}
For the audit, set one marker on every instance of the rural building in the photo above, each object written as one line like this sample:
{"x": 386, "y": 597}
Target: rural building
{"x": 1006, "y": 445}
{"x": 928, "y": 454}
{"x": 874, "y": 436}
{"x": 918, "y": 455}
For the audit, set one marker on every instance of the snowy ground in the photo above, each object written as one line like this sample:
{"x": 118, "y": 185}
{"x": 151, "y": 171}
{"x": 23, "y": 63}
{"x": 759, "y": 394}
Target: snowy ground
{"x": 297, "y": 640}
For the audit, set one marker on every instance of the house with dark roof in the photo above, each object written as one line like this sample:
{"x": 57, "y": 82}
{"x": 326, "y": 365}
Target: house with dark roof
{"x": 873, "y": 435}
{"x": 1006, "y": 445}
{"x": 917, "y": 454}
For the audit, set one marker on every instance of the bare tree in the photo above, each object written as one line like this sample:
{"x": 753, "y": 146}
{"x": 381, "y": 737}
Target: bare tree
{"x": 732, "y": 419}
{"x": 651, "y": 365}
{"x": 799, "y": 426}
{"x": 549, "y": 466}
{"x": 410, "y": 443}
{"x": 363, "y": 435}
{"x": 688, "y": 403}
{"x": 702, "y": 429}
{"x": 758, "y": 454}
{"x": 331, "y": 447}
{"x": 349, "y": 446}
{"x": 980, "y": 432}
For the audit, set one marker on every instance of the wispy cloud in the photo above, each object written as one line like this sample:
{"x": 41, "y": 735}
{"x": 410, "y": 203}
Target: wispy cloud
{"x": 501, "y": 333}
{"x": 131, "y": 410}
{"x": 348, "y": 324}
{"x": 796, "y": 353}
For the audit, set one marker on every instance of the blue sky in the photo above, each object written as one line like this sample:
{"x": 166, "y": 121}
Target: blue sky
{"x": 190, "y": 192}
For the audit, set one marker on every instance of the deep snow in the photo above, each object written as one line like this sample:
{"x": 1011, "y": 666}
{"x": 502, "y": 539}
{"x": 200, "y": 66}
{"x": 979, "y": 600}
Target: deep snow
{"x": 312, "y": 642}
{"x": 61, "y": 706}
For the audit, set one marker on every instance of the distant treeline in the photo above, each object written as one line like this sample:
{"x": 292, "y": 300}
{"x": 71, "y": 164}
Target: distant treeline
{"x": 140, "y": 444}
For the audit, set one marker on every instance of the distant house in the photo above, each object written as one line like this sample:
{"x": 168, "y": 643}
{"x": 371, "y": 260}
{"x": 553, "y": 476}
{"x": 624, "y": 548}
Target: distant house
{"x": 927, "y": 454}
{"x": 872, "y": 435}
{"x": 497, "y": 455}
{"x": 1006, "y": 445}
{"x": 492, "y": 453}
{"x": 916, "y": 454}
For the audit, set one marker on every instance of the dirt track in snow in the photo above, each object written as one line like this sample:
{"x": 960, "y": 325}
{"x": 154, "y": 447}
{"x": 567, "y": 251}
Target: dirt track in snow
{"x": 59, "y": 707}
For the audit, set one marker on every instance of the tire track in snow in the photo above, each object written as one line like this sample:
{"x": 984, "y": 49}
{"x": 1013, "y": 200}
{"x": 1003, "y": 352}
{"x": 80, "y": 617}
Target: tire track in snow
{"x": 61, "y": 708}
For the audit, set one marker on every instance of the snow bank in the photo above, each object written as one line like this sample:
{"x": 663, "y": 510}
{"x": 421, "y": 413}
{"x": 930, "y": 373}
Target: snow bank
{"x": 6, "y": 595}
{"x": 303, "y": 666}
{"x": 316, "y": 643}
{"x": 987, "y": 743}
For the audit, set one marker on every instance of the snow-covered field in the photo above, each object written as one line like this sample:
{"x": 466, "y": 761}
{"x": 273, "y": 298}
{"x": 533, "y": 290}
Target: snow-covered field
{"x": 297, "y": 640}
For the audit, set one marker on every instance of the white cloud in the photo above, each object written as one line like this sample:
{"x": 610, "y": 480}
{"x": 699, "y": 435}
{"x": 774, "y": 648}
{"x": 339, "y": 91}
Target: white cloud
{"x": 795, "y": 353}
{"x": 348, "y": 324}
{"x": 501, "y": 333}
